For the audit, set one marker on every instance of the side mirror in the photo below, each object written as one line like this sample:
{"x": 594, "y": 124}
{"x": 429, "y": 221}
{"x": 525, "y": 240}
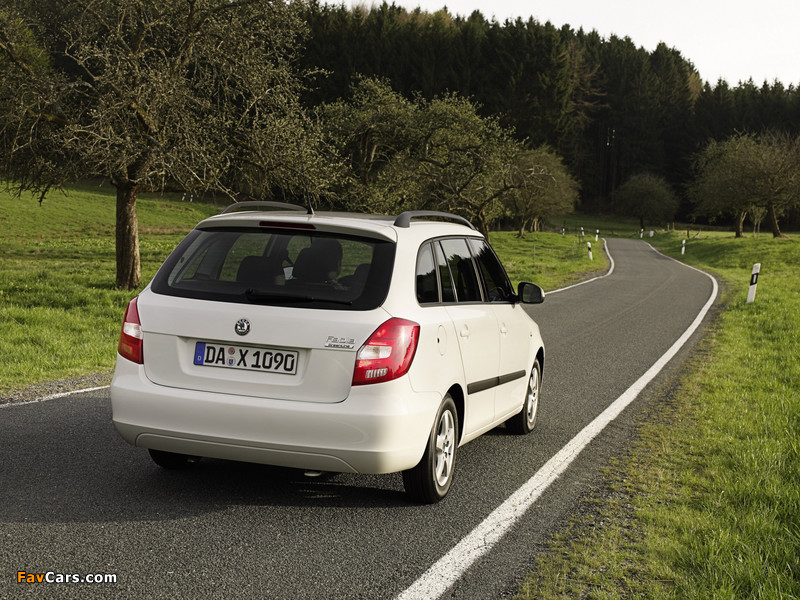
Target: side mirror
{"x": 530, "y": 293}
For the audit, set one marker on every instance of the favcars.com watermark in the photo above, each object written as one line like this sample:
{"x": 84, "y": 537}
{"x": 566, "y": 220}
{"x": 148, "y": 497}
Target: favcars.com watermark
{"x": 53, "y": 577}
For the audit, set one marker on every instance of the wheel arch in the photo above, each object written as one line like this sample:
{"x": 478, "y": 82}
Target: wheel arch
{"x": 457, "y": 394}
{"x": 540, "y": 358}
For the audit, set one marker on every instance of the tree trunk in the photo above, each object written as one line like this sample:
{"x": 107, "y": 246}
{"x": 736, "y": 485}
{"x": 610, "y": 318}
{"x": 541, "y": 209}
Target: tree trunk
{"x": 740, "y": 224}
{"x": 481, "y": 225}
{"x": 773, "y": 221}
{"x": 129, "y": 274}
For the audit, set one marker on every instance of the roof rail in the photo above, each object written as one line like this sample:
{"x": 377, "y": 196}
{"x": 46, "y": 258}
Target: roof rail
{"x": 404, "y": 219}
{"x": 262, "y": 204}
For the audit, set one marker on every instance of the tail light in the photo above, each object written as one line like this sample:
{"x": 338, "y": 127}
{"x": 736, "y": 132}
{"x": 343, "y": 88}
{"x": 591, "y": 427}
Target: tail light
{"x": 388, "y": 352}
{"x": 130, "y": 339}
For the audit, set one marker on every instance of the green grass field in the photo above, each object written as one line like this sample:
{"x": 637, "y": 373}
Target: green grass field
{"x": 708, "y": 504}
{"x": 59, "y": 311}
{"x": 549, "y": 259}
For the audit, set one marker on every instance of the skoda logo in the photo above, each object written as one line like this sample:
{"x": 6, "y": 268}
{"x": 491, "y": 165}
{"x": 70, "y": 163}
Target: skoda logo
{"x": 242, "y": 327}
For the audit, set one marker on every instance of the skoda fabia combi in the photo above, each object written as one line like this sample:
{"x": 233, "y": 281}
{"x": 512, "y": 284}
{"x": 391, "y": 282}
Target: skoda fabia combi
{"x": 328, "y": 342}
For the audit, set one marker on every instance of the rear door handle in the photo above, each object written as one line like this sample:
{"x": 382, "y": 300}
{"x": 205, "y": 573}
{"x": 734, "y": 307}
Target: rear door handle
{"x": 464, "y": 332}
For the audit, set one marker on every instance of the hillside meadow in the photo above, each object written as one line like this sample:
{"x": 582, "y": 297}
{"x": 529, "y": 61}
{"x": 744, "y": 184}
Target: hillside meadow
{"x": 60, "y": 313}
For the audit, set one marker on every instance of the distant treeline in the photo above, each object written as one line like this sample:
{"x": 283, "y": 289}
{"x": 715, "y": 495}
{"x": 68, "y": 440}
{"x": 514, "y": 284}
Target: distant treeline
{"x": 381, "y": 110}
{"x": 609, "y": 108}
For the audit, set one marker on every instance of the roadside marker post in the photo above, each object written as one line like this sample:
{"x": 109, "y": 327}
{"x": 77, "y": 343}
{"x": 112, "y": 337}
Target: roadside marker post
{"x": 683, "y": 248}
{"x": 751, "y": 293}
{"x": 589, "y": 244}
{"x": 596, "y": 235}
{"x": 641, "y": 233}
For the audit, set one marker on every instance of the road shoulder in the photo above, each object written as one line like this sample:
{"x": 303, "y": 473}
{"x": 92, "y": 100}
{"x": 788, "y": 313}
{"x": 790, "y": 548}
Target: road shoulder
{"x": 47, "y": 389}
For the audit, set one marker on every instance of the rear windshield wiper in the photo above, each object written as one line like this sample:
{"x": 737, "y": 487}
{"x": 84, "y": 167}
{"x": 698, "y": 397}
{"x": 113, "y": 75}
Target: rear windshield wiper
{"x": 270, "y": 297}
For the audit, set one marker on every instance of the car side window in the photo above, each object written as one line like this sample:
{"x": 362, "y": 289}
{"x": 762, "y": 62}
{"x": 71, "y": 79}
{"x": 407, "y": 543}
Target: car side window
{"x": 495, "y": 280}
{"x": 427, "y": 283}
{"x": 446, "y": 280}
{"x": 465, "y": 279}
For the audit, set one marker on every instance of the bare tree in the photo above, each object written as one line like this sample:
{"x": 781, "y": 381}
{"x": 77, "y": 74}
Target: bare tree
{"x": 463, "y": 162}
{"x": 647, "y": 197}
{"x": 717, "y": 188}
{"x": 201, "y": 93}
{"x": 543, "y": 187}
{"x": 749, "y": 175}
{"x": 414, "y": 154}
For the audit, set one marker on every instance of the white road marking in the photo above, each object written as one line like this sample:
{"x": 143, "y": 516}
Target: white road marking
{"x": 449, "y": 569}
{"x": 609, "y": 272}
{"x": 55, "y": 396}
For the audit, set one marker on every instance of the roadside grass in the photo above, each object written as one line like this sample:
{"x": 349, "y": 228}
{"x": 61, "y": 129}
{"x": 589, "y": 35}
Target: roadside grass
{"x": 59, "y": 311}
{"x": 606, "y": 226}
{"x": 615, "y": 226}
{"x": 707, "y": 503}
{"x": 549, "y": 259}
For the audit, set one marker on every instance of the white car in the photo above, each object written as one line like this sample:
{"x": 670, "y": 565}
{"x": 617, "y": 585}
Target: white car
{"x": 328, "y": 342}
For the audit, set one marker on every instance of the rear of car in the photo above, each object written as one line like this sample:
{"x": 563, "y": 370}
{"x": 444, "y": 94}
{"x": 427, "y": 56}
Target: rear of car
{"x": 287, "y": 339}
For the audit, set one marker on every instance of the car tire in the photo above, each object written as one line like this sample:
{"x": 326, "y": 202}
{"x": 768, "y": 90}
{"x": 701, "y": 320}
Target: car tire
{"x": 172, "y": 460}
{"x": 430, "y": 480}
{"x": 524, "y": 421}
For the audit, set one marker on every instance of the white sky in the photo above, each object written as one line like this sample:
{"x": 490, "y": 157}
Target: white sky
{"x": 731, "y": 39}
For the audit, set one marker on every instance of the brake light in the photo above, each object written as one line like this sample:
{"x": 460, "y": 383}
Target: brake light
{"x": 130, "y": 339}
{"x": 388, "y": 352}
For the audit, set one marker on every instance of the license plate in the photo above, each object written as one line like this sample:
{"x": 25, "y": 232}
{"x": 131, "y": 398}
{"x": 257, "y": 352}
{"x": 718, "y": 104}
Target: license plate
{"x": 270, "y": 360}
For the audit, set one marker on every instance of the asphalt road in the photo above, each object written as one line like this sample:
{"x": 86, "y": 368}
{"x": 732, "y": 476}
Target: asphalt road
{"x": 75, "y": 499}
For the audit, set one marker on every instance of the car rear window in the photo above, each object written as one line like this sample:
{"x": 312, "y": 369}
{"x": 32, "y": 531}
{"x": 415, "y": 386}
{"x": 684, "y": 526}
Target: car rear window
{"x": 279, "y": 267}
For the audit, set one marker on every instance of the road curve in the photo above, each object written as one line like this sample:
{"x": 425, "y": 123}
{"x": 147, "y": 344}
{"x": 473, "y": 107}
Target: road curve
{"x": 75, "y": 499}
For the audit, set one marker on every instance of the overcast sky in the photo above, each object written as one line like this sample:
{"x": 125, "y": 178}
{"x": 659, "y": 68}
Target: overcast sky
{"x": 730, "y": 39}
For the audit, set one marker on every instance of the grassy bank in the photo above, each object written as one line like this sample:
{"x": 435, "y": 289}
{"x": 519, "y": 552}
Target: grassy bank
{"x": 60, "y": 313}
{"x": 707, "y": 505}
{"x": 549, "y": 259}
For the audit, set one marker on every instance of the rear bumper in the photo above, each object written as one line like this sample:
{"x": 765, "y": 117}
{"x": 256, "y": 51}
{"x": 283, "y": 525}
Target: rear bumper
{"x": 381, "y": 428}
